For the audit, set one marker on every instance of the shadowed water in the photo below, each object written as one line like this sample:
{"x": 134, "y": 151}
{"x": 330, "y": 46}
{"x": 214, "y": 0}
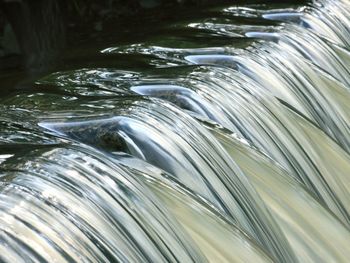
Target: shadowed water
{"x": 232, "y": 149}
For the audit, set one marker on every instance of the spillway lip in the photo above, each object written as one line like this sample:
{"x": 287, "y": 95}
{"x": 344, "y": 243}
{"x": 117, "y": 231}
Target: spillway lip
{"x": 283, "y": 16}
{"x": 268, "y": 36}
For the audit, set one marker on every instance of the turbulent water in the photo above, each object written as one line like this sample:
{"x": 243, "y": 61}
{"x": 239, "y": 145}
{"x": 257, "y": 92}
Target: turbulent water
{"x": 230, "y": 144}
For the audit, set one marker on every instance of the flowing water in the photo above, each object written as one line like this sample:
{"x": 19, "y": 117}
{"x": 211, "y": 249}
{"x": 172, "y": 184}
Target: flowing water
{"x": 223, "y": 137}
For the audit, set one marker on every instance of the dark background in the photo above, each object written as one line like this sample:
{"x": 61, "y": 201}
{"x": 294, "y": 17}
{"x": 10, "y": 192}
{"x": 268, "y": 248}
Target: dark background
{"x": 37, "y": 36}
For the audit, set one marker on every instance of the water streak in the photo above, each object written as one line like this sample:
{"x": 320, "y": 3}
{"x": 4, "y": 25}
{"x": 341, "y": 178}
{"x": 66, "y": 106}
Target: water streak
{"x": 231, "y": 145}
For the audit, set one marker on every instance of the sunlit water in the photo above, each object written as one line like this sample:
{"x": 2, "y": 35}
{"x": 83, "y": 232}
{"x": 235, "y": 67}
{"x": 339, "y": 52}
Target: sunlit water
{"x": 231, "y": 145}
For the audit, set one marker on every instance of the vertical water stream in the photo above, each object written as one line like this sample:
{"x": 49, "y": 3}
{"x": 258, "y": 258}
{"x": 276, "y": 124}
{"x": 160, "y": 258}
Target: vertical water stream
{"x": 231, "y": 145}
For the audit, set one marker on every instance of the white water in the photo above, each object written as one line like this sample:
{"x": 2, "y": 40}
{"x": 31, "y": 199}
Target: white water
{"x": 219, "y": 154}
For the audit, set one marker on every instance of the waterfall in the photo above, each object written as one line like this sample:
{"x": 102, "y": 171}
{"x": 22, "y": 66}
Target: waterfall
{"x": 230, "y": 144}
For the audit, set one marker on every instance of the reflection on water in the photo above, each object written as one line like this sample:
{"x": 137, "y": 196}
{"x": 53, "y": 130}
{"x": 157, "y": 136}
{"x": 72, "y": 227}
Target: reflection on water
{"x": 223, "y": 137}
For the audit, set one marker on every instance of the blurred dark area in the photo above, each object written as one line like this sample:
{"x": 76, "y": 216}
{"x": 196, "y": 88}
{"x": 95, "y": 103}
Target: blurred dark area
{"x": 38, "y": 36}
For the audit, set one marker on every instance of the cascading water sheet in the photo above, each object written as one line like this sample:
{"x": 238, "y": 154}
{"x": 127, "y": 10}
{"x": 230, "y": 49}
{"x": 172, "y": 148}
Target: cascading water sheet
{"x": 231, "y": 145}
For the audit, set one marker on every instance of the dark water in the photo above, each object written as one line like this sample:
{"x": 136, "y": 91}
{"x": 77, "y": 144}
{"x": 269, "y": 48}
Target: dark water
{"x": 83, "y": 39}
{"x": 216, "y": 133}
